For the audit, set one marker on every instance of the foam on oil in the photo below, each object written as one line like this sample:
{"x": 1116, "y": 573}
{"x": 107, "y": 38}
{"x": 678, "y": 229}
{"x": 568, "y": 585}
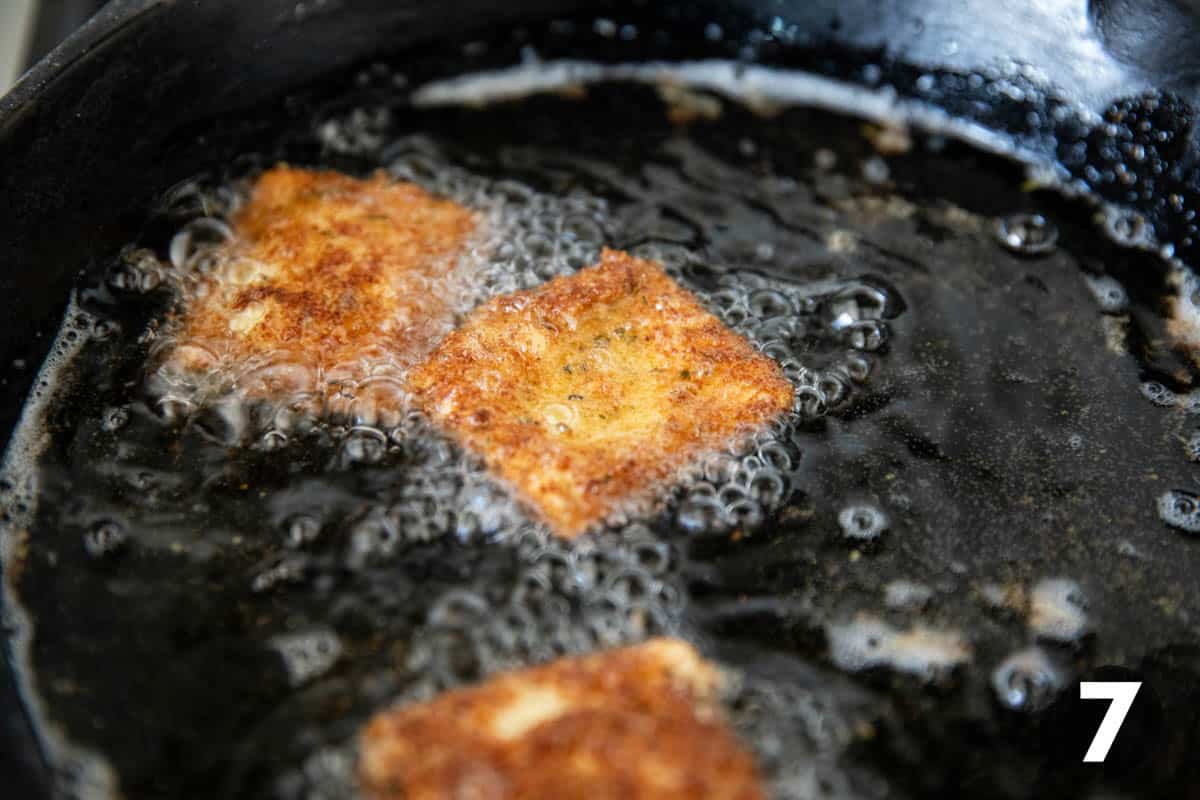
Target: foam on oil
{"x": 80, "y": 772}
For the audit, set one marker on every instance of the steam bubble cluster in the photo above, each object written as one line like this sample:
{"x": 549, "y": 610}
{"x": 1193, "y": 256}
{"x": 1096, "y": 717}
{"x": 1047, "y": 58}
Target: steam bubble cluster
{"x": 797, "y": 734}
{"x": 566, "y": 598}
{"x": 827, "y": 337}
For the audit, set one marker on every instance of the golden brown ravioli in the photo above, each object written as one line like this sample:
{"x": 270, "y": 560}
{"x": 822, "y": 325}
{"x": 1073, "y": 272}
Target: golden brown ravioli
{"x": 592, "y": 391}
{"x": 635, "y": 723}
{"x": 328, "y": 279}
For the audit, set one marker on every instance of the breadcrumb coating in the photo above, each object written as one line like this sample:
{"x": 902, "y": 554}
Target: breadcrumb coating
{"x": 327, "y": 277}
{"x": 637, "y": 723}
{"x": 591, "y": 392}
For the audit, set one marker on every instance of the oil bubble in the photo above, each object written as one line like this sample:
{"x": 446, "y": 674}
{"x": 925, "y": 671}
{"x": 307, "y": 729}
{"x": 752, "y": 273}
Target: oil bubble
{"x": 105, "y": 329}
{"x": 769, "y": 303}
{"x": 277, "y": 572}
{"x": 300, "y": 530}
{"x": 137, "y": 270}
{"x": 359, "y": 133}
{"x": 1110, "y": 295}
{"x": 1127, "y": 227}
{"x": 1027, "y": 234}
{"x": 867, "y": 334}
{"x": 875, "y": 170}
{"x": 115, "y": 418}
{"x": 857, "y": 366}
{"x": 1180, "y": 510}
{"x": 193, "y": 248}
{"x": 458, "y": 608}
{"x": 856, "y": 302}
{"x": 308, "y": 655}
{"x": 777, "y": 455}
{"x": 374, "y": 540}
{"x": 630, "y": 585}
{"x": 104, "y": 538}
{"x": 363, "y": 445}
{"x": 173, "y": 410}
{"x": 768, "y": 487}
{"x": 273, "y": 439}
{"x": 862, "y": 522}
{"x": 744, "y": 514}
{"x": 195, "y": 198}
{"x": 1158, "y": 394}
{"x": 654, "y": 557}
{"x": 699, "y": 515}
{"x": 1190, "y": 403}
{"x": 224, "y": 423}
{"x": 1027, "y": 681}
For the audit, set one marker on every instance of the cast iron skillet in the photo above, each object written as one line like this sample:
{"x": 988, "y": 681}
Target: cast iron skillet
{"x": 152, "y": 91}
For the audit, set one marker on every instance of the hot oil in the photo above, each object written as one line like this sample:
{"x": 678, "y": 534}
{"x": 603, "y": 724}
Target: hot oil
{"x": 961, "y": 511}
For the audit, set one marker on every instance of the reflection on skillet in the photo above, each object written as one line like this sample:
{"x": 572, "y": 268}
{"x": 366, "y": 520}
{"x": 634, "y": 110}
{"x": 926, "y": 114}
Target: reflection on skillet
{"x": 927, "y": 528}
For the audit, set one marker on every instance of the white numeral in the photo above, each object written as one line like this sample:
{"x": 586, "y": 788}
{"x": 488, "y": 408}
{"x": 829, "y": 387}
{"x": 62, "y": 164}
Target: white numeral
{"x": 1121, "y": 693}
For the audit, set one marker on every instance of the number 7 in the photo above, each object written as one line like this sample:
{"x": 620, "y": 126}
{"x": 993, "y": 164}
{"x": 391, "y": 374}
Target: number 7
{"x": 1121, "y": 693}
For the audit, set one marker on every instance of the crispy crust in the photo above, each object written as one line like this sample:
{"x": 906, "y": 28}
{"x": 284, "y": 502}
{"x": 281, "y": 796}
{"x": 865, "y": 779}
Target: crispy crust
{"x": 325, "y": 273}
{"x": 639, "y": 722}
{"x": 592, "y": 391}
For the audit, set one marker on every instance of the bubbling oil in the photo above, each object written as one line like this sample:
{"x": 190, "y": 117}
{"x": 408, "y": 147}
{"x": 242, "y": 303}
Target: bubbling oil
{"x": 311, "y": 558}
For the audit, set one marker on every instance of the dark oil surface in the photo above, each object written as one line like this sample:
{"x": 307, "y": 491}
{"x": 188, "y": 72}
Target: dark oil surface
{"x": 213, "y": 619}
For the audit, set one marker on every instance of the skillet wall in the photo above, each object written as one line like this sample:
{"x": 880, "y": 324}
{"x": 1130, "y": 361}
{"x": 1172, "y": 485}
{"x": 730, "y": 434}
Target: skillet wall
{"x": 127, "y": 107}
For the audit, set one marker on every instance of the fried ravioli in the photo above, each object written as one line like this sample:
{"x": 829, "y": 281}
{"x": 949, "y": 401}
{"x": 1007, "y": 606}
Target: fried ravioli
{"x": 591, "y": 392}
{"x": 328, "y": 279}
{"x": 639, "y": 722}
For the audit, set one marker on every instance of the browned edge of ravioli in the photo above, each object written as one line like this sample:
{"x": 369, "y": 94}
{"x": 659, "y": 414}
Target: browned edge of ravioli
{"x": 636, "y": 722}
{"x": 325, "y": 269}
{"x": 589, "y": 393}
